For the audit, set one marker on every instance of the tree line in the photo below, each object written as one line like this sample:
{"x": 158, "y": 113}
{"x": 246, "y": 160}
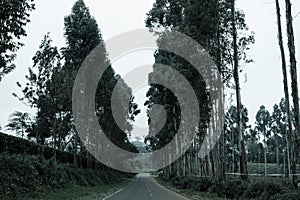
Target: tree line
{"x": 222, "y": 30}
{"x": 212, "y": 24}
{"x": 49, "y": 85}
{"x": 266, "y": 142}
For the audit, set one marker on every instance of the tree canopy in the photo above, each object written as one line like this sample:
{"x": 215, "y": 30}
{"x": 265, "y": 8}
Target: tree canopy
{"x": 14, "y": 15}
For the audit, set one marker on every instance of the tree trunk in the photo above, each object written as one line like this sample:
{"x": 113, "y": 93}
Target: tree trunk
{"x": 265, "y": 153}
{"x": 177, "y": 153}
{"x": 242, "y": 150}
{"x": 259, "y": 161}
{"x": 22, "y": 132}
{"x": 288, "y": 156}
{"x": 277, "y": 155}
{"x": 233, "y": 151}
{"x": 293, "y": 66}
{"x": 284, "y": 171}
{"x": 285, "y": 82}
{"x": 54, "y": 140}
{"x": 75, "y": 161}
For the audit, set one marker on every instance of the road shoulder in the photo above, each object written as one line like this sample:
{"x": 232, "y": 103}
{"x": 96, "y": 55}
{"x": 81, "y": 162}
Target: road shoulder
{"x": 187, "y": 193}
{"x": 167, "y": 187}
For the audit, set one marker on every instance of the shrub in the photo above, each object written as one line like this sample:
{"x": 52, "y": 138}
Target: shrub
{"x": 20, "y": 174}
{"x": 14, "y": 145}
{"x": 202, "y": 184}
{"x": 182, "y": 182}
{"x": 290, "y": 195}
{"x": 263, "y": 190}
{"x": 237, "y": 189}
{"x": 234, "y": 189}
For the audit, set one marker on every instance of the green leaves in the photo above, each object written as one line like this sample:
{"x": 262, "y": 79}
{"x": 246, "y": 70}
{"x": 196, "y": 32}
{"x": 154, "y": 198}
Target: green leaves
{"x": 82, "y": 35}
{"x": 262, "y": 118}
{"x": 14, "y": 15}
{"x": 19, "y": 122}
{"x": 43, "y": 90}
{"x": 46, "y": 61}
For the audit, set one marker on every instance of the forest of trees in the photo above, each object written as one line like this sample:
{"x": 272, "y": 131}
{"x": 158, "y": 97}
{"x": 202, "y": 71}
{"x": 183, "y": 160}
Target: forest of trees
{"x": 218, "y": 27}
{"x": 49, "y": 88}
{"x": 221, "y": 29}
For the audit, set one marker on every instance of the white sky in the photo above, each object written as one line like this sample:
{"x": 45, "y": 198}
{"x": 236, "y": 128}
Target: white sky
{"x": 264, "y": 77}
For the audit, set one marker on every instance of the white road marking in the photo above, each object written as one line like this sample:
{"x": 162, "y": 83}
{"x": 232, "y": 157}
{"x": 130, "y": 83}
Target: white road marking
{"x": 113, "y": 194}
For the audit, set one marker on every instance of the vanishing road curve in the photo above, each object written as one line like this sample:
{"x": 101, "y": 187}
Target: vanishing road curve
{"x": 145, "y": 188}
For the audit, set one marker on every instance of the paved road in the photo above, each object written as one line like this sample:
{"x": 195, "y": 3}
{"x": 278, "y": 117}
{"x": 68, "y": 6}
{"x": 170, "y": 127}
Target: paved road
{"x": 145, "y": 188}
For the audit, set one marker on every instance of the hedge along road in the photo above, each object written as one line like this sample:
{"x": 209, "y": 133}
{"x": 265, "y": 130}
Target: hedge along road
{"x": 145, "y": 188}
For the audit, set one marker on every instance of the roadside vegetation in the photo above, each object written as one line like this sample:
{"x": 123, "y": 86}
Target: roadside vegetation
{"x": 28, "y": 170}
{"x": 76, "y": 192}
{"x": 33, "y": 177}
{"x": 256, "y": 188}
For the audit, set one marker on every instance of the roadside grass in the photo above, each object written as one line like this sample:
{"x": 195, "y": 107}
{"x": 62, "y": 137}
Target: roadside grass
{"x": 256, "y": 172}
{"x": 189, "y": 193}
{"x": 75, "y": 192}
{"x": 272, "y": 168}
{"x": 259, "y": 168}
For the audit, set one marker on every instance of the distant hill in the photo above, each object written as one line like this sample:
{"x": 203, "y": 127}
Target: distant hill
{"x": 141, "y": 146}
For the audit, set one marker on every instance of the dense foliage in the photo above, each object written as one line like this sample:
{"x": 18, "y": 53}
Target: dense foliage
{"x": 236, "y": 189}
{"x": 22, "y": 174}
{"x": 14, "y": 15}
{"x": 50, "y": 84}
{"x": 210, "y": 24}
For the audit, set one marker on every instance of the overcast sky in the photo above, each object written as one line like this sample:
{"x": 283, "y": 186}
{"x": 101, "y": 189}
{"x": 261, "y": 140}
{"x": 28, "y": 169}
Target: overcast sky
{"x": 264, "y": 77}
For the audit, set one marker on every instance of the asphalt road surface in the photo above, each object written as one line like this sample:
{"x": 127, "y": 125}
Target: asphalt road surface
{"x": 145, "y": 188}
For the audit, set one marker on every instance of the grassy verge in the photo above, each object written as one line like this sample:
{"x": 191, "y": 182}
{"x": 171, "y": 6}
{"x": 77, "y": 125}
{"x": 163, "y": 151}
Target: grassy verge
{"x": 76, "y": 192}
{"x": 189, "y": 193}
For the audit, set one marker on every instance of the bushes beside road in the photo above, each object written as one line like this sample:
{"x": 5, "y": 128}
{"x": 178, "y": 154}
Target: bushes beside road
{"x": 236, "y": 189}
{"x": 14, "y": 145}
{"x": 20, "y": 175}
{"x": 27, "y": 167}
